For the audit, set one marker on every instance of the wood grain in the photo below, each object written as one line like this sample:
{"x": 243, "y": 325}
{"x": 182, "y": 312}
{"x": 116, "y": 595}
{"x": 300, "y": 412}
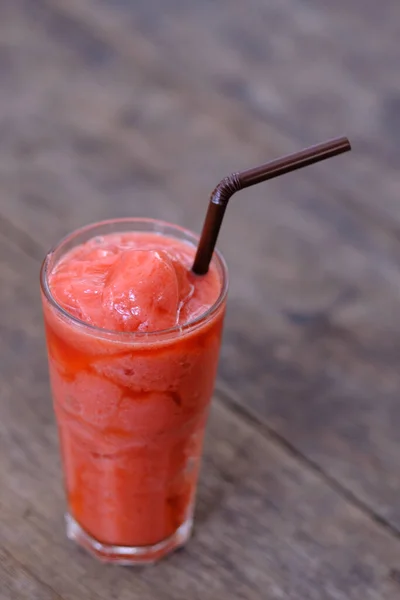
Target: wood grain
{"x": 264, "y": 521}
{"x": 314, "y": 293}
{"x": 116, "y": 108}
{"x": 17, "y": 583}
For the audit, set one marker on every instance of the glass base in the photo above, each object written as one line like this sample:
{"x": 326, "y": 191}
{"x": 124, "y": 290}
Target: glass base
{"x": 127, "y": 555}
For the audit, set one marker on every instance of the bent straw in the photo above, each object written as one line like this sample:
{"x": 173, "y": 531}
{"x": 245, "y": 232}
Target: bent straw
{"x": 238, "y": 181}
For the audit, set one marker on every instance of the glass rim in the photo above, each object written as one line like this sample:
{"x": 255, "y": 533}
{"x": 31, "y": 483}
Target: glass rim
{"x": 133, "y": 335}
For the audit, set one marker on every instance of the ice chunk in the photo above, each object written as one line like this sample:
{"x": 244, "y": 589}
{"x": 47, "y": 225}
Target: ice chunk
{"x": 141, "y": 292}
{"x": 78, "y": 286}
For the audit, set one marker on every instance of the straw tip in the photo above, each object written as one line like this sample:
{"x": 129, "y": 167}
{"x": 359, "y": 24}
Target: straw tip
{"x": 344, "y": 141}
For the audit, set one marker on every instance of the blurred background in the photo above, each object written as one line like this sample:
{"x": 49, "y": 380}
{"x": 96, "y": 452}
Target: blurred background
{"x": 115, "y": 108}
{"x": 139, "y": 107}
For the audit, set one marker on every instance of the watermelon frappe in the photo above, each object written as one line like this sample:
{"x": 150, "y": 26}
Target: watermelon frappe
{"x": 133, "y": 341}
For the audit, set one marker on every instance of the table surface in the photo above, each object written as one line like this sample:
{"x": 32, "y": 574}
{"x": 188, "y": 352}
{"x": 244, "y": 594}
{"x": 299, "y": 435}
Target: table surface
{"x": 112, "y": 108}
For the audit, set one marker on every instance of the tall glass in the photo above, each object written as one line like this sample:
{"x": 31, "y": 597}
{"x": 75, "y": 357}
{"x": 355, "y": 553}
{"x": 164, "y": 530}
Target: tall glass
{"x": 131, "y": 410}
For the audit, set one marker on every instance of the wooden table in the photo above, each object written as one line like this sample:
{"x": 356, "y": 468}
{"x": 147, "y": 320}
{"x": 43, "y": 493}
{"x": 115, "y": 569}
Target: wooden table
{"x": 111, "y": 108}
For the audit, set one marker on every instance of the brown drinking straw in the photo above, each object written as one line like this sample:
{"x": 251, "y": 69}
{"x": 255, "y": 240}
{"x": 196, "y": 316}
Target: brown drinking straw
{"x": 237, "y": 181}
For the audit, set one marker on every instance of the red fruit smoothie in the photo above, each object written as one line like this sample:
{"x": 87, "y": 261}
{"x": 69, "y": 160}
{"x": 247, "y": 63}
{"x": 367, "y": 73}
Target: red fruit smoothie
{"x": 133, "y": 342}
